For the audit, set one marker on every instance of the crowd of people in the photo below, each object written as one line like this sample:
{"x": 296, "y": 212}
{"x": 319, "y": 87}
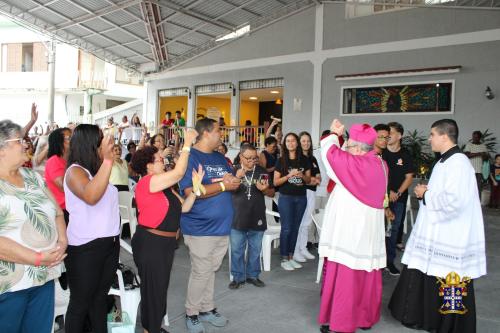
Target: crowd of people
{"x": 59, "y": 204}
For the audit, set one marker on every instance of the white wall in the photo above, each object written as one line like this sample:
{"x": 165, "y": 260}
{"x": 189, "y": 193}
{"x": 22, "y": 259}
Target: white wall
{"x": 16, "y": 107}
{"x": 19, "y": 89}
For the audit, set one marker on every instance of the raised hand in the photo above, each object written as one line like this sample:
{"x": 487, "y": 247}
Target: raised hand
{"x": 190, "y": 136}
{"x": 107, "y": 145}
{"x": 337, "y": 127}
{"x": 34, "y": 113}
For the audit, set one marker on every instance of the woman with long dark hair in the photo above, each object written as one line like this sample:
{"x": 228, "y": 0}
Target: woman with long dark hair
{"x": 56, "y": 165}
{"x": 292, "y": 173}
{"x": 301, "y": 253}
{"x": 93, "y": 230}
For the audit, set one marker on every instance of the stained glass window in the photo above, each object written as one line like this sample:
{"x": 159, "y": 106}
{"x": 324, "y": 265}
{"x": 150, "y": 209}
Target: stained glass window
{"x": 410, "y": 98}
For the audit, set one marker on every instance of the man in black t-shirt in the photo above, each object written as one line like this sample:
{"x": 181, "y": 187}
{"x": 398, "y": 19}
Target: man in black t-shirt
{"x": 401, "y": 171}
{"x": 249, "y": 221}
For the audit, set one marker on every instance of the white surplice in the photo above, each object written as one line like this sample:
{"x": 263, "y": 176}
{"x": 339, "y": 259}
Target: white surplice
{"x": 448, "y": 235}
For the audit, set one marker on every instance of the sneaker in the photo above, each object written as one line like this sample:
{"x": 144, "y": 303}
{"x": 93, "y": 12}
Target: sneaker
{"x": 299, "y": 258}
{"x": 194, "y": 325}
{"x": 236, "y": 284}
{"x": 325, "y": 329}
{"x": 256, "y": 282}
{"x": 307, "y": 254}
{"x": 213, "y": 317}
{"x": 285, "y": 264}
{"x": 392, "y": 269}
{"x": 294, "y": 264}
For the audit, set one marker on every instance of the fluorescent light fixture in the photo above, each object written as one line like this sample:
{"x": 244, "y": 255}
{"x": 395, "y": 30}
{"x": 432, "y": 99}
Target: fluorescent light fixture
{"x": 253, "y": 98}
{"x": 235, "y": 34}
{"x": 274, "y": 92}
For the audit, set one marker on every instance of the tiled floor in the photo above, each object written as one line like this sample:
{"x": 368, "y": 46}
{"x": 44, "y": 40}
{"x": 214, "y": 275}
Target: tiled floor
{"x": 290, "y": 301}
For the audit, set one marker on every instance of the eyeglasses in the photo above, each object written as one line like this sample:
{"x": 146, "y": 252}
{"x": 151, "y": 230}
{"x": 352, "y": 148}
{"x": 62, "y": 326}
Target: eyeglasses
{"x": 20, "y": 140}
{"x": 350, "y": 146}
{"x": 252, "y": 158}
{"x": 384, "y": 137}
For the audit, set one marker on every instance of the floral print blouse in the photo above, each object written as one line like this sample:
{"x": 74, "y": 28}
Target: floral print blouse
{"x": 27, "y": 216}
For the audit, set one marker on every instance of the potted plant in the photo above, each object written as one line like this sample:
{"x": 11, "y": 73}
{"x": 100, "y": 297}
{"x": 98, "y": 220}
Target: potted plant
{"x": 420, "y": 151}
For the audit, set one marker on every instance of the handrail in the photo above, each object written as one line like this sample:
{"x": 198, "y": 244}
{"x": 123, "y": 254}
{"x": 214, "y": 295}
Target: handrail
{"x": 231, "y": 136}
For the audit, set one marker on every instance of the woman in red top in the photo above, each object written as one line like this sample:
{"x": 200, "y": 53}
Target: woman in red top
{"x": 154, "y": 242}
{"x": 56, "y": 165}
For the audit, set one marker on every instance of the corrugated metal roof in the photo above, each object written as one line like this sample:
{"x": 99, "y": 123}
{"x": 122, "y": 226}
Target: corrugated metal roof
{"x": 127, "y": 31}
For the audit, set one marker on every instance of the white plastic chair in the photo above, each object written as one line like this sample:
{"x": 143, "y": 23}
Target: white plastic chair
{"x": 127, "y": 214}
{"x": 129, "y": 299}
{"x": 271, "y": 234}
{"x": 317, "y": 219}
{"x": 409, "y": 212}
{"x": 131, "y": 185}
{"x": 61, "y": 301}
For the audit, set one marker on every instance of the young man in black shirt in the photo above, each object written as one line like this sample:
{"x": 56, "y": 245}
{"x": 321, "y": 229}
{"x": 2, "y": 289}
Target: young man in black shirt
{"x": 401, "y": 171}
{"x": 249, "y": 221}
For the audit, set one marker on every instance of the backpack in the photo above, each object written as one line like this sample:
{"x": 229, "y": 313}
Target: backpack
{"x": 130, "y": 280}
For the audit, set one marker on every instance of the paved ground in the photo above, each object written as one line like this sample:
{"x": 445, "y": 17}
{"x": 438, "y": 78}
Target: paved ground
{"x": 290, "y": 301}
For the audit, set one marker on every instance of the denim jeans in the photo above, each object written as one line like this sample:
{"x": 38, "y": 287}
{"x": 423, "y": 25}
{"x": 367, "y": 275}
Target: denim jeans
{"x": 291, "y": 209}
{"x": 239, "y": 241}
{"x": 399, "y": 209}
{"x": 28, "y": 310}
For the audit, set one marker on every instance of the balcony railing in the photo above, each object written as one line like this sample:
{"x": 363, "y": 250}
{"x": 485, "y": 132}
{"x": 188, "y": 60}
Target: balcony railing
{"x": 232, "y": 136}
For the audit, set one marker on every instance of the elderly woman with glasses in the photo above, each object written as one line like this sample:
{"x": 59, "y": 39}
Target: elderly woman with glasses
{"x": 154, "y": 242}
{"x": 32, "y": 240}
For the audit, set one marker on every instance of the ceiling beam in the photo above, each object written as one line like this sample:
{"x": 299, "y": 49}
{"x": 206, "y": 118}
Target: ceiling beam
{"x": 195, "y": 29}
{"x": 152, "y": 15}
{"x": 131, "y": 34}
{"x": 94, "y": 31}
{"x": 34, "y": 23}
{"x": 97, "y": 13}
{"x": 41, "y": 6}
{"x": 251, "y": 12}
{"x": 188, "y": 12}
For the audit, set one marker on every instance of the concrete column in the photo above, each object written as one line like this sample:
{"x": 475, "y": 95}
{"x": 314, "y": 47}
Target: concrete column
{"x": 191, "y": 108}
{"x": 52, "y": 75}
{"x": 235, "y": 115}
{"x": 87, "y": 107}
{"x": 317, "y": 74}
{"x": 145, "y": 117}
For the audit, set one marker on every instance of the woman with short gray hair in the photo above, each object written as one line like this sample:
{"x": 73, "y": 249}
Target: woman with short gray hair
{"x": 32, "y": 240}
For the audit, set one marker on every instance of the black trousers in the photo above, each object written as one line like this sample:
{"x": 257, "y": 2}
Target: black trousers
{"x": 91, "y": 269}
{"x": 153, "y": 255}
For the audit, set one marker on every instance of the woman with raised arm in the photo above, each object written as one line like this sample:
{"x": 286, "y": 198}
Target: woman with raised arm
{"x": 93, "y": 230}
{"x": 155, "y": 240}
